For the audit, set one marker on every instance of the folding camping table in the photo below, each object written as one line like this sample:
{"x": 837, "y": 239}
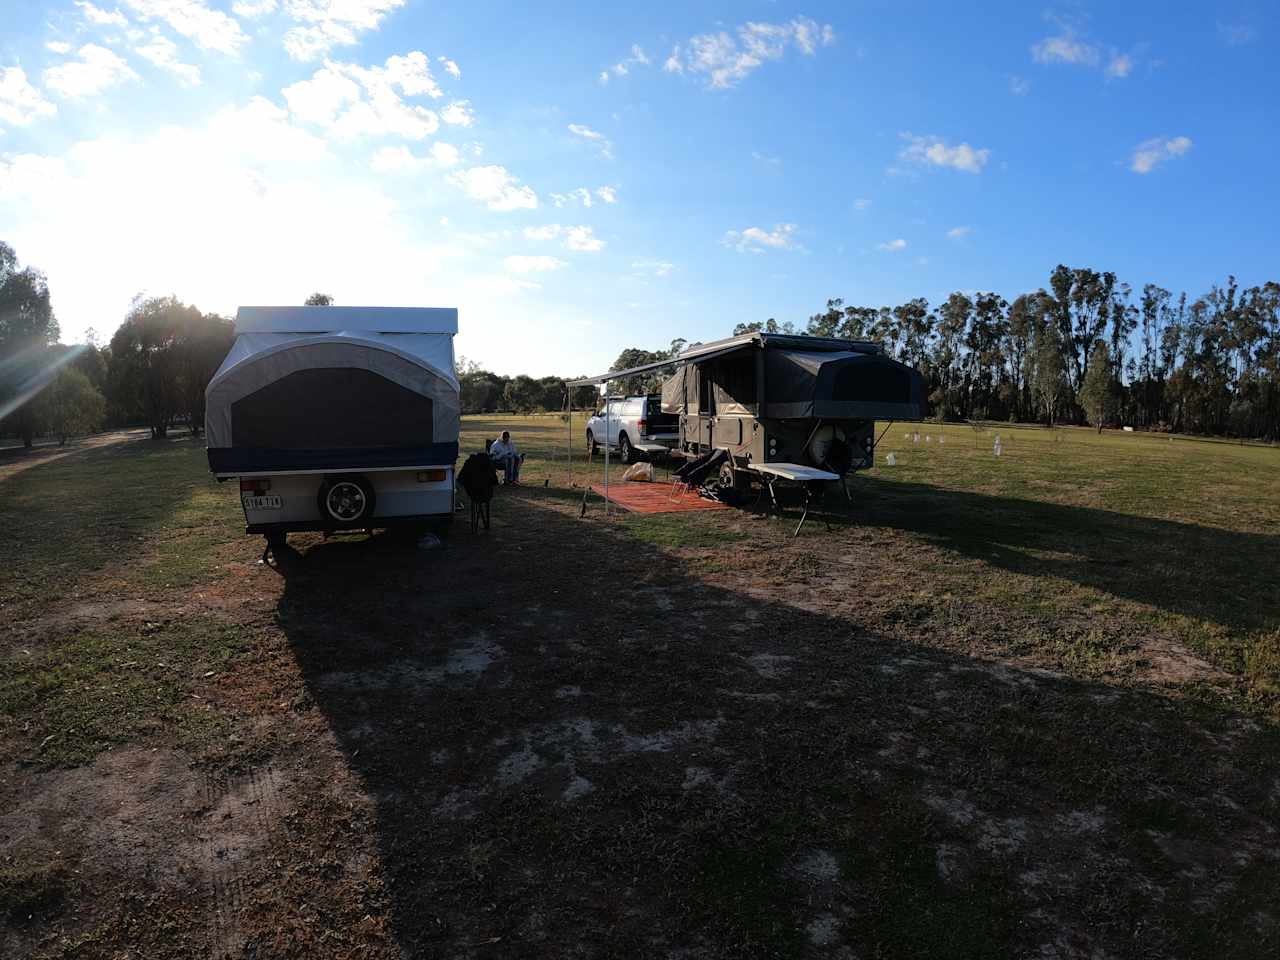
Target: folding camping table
{"x": 792, "y": 473}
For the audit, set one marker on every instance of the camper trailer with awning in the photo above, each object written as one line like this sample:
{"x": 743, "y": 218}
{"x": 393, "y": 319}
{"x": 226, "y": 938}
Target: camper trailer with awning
{"x": 337, "y": 418}
{"x": 809, "y": 403}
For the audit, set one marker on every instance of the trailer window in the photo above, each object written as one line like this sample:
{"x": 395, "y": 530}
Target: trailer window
{"x": 872, "y": 381}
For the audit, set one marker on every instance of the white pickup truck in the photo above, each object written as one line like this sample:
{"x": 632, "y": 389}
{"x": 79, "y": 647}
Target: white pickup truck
{"x": 633, "y": 426}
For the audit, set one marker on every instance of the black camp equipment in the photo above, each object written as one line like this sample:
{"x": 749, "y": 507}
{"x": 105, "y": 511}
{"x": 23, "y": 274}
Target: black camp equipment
{"x": 478, "y": 478}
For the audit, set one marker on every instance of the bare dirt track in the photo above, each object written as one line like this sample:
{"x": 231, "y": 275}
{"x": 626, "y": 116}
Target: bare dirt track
{"x": 567, "y": 738}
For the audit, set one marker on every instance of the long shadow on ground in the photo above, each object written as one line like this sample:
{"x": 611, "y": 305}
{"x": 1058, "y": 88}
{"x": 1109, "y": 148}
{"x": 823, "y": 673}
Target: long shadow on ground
{"x": 1223, "y": 576}
{"x": 576, "y": 748}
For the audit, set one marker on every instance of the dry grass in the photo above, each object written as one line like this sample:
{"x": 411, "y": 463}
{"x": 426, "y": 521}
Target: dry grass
{"x": 1024, "y": 706}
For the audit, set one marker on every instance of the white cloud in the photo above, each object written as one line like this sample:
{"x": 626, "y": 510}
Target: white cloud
{"x": 395, "y": 160}
{"x": 162, "y": 52}
{"x": 757, "y": 240}
{"x": 97, "y": 70}
{"x": 534, "y": 264}
{"x": 445, "y": 154}
{"x": 207, "y": 28}
{"x": 1119, "y": 66}
{"x": 1236, "y": 34}
{"x": 1066, "y": 47}
{"x": 637, "y": 58}
{"x": 725, "y": 60}
{"x": 351, "y": 101}
{"x": 593, "y": 137}
{"x": 100, "y": 17}
{"x": 582, "y": 240}
{"x": 1019, "y": 86}
{"x": 451, "y": 68}
{"x": 653, "y": 268}
{"x": 603, "y": 78}
{"x": 959, "y": 233}
{"x": 458, "y": 113}
{"x": 252, "y": 9}
{"x": 585, "y": 196}
{"x": 20, "y": 102}
{"x": 1151, "y": 153}
{"x": 861, "y": 203}
{"x": 893, "y": 246}
{"x": 401, "y": 159}
{"x": 765, "y": 158}
{"x": 332, "y": 23}
{"x": 58, "y": 47}
{"x": 250, "y": 165}
{"x": 496, "y": 188}
{"x": 935, "y": 152}
{"x": 1070, "y": 46}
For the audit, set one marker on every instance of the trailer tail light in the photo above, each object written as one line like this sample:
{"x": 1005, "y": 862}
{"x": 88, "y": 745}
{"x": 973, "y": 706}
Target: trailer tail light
{"x": 257, "y": 485}
{"x": 432, "y": 476}
{"x": 644, "y": 427}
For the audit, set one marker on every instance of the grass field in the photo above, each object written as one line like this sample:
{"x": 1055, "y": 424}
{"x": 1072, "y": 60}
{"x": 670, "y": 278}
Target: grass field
{"x": 1025, "y": 705}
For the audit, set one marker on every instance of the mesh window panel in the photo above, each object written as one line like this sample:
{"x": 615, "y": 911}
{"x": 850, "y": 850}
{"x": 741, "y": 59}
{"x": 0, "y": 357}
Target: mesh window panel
{"x": 870, "y": 381}
{"x": 330, "y": 409}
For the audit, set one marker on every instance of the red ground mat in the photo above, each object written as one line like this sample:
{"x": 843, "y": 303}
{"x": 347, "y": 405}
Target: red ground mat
{"x": 655, "y": 498}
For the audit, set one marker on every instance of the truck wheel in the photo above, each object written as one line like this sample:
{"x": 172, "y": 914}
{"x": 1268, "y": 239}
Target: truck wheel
{"x": 625, "y": 453}
{"x": 346, "y": 501}
{"x": 591, "y": 443}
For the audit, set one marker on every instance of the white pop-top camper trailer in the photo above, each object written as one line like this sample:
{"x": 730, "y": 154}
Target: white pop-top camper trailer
{"x": 337, "y": 417}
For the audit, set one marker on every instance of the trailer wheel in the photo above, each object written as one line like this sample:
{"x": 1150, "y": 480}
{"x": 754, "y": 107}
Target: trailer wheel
{"x": 591, "y": 443}
{"x": 625, "y": 453}
{"x": 730, "y": 478}
{"x": 346, "y": 500}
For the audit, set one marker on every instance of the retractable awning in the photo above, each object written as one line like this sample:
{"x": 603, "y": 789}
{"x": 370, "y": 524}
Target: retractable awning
{"x": 703, "y": 351}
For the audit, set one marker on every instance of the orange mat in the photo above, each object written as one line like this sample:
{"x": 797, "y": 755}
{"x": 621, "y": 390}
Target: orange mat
{"x": 655, "y": 498}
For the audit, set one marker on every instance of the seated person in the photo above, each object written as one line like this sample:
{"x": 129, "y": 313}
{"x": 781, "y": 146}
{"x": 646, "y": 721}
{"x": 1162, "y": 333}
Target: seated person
{"x": 504, "y": 454}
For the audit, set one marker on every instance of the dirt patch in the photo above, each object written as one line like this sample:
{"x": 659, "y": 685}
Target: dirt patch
{"x": 1165, "y": 661}
{"x": 149, "y": 821}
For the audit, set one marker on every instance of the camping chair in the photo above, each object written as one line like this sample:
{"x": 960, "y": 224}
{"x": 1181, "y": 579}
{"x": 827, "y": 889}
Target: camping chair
{"x": 694, "y": 473}
{"x": 478, "y": 478}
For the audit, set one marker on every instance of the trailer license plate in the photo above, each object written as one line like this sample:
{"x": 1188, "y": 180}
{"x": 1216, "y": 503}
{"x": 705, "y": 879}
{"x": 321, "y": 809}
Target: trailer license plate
{"x": 262, "y": 503}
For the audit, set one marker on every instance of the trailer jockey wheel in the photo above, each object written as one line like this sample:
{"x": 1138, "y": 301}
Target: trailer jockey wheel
{"x": 346, "y": 500}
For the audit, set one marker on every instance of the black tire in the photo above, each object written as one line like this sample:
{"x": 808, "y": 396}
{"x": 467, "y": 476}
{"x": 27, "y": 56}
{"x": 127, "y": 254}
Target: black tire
{"x": 591, "y": 443}
{"x": 346, "y": 501}
{"x": 729, "y": 477}
{"x": 625, "y": 453}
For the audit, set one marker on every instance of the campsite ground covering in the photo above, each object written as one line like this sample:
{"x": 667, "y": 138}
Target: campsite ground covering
{"x": 1014, "y": 706}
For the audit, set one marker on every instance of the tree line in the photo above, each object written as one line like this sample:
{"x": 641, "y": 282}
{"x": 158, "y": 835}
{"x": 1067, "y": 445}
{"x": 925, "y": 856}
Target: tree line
{"x": 153, "y": 372}
{"x": 1085, "y": 350}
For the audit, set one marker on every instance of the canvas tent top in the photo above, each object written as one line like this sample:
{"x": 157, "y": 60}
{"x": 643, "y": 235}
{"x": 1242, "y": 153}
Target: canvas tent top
{"x": 328, "y": 388}
{"x": 707, "y": 351}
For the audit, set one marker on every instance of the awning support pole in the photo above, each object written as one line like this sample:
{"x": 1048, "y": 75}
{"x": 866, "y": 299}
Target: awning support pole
{"x": 606, "y": 448}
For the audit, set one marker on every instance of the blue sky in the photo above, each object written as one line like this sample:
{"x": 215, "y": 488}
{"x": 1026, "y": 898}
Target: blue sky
{"x": 577, "y": 178}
